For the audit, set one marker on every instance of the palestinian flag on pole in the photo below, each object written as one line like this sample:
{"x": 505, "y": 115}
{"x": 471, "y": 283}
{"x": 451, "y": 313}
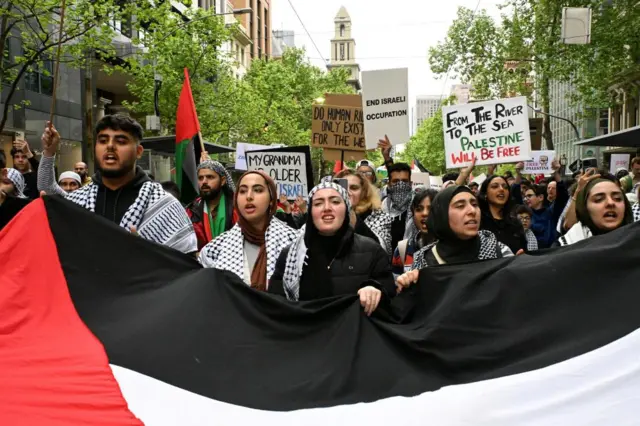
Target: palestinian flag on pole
{"x": 187, "y": 131}
{"x": 132, "y": 333}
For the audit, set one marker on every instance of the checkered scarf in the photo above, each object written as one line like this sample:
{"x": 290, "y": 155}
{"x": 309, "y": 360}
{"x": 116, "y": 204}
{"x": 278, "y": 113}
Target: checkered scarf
{"x": 532, "y": 241}
{"x": 490, "y": 248}
{"x": 220, "y": 170}
{"x": 226, "y": 252}
{"x": 380, "y": 224}
{"x": 636, "y": 212}
{"x": 297, "y": 256}
{"x": 156, "y": 215}
{"x": 18, "y": 181}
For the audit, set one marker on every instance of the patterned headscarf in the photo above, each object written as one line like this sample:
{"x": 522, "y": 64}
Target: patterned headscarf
{"x": 220, "y": 170}
{"x": 330, "y": 185}
{"x": 18, "y": 181}
{"x": 298, "y": 252}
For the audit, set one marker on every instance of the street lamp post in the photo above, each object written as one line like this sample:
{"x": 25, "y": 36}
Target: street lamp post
{"x": 575, "y": 128}
{"x": 573, "y": 125}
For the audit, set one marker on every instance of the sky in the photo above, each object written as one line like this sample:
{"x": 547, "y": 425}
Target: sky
{"x": 388, "y": 34}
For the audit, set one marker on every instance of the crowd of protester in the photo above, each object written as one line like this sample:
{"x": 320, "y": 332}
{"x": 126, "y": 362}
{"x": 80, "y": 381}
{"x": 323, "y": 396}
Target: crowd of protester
{"x": 351, "y": 235}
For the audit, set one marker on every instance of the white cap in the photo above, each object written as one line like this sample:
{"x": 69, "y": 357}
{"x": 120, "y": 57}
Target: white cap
{"x": 70, "y": 175}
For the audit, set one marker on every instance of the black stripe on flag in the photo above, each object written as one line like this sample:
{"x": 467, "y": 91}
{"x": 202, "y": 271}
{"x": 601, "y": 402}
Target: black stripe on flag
{"x": 547, "y": 339}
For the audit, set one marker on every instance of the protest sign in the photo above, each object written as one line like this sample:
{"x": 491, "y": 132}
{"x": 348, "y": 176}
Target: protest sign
{"x": 420, "y": 179}
{"x": 290, "y": 168}
{"x": 493, "y": 132}
{"x": 618, "y": 161}
{"x": 479, "y": 179}
{"x": 540, "y": 163}
{"x": 337, "y": 127}
{"x": 385, "y": 103}
{"x": 241, "y": 148}
{"x": 435, "y": 182}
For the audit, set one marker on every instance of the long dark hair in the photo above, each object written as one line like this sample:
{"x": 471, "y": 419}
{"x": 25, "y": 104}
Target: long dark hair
{"x": 483, "y": 202}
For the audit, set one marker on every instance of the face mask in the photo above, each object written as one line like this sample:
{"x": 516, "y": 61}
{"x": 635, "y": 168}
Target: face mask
{"x": 400, "y": 193}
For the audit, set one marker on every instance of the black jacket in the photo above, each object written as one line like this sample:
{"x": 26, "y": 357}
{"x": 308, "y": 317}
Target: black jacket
{"x": 508, "y": 231}
{"x": 112, "y": 205}
{"x": 11, "y": 207}
{"x": 361, "y": 263}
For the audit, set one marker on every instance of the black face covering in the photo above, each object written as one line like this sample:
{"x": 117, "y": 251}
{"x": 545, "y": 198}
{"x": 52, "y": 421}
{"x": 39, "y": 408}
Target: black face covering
{"x": 451, "y": 248}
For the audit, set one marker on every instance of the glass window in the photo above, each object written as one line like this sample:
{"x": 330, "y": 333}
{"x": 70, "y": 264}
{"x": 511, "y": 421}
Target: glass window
{"x": 40, "y": 79}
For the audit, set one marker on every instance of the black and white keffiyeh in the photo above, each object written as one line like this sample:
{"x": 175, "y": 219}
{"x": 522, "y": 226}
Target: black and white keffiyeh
{"x": 380, "y": 224}
{"x": 532, "y": 241}
{"x": 220, "y": 170}
{"x": 636, "y": 212}
{"x": 156, "y": 215}
{"x": 297, "y": 256}
{"x": 226, "y": 252}
{"x": 18, "y": 182}
{"x": 490, "y": 248}
{"x": 578, "y": 232}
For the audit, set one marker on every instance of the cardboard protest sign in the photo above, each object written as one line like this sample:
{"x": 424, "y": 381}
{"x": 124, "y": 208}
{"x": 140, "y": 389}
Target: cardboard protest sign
{"x": 242, "y": 147}
{"x": 337, "y": 127}
{"x": 618, "y": 161}
{"x": 493, "y": 131}
{"x": 420, "y": 179}
{"x": 540, "y": 163}
{"x": 290, "y": 168}
{"x": 385, "y": 103}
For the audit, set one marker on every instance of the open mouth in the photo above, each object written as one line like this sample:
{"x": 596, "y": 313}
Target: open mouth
{"x": 328, "y": 217}
{"x": 471, "y": 222}
{"x": 611, "y": 215}
{"x": 110, "y": 159}
{"x": 249, "y": 208}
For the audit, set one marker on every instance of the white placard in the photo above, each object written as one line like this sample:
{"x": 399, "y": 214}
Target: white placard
{"x": 479, "y": 179}
{"x": 435, "y": 182}
{"x": 420, "y": 179}
{"x": 287, "y": 169}
{"x": 385, "y": 104}
{"x": 540, "y": 163}
{"x": 242, "y": 147}
{"x": 619, "y": 160}
{"x": 493, "y": 131}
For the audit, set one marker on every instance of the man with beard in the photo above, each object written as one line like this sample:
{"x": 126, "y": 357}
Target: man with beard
{"x": 212, "y": 213}
{"x": 83, "y": 171}
{"x": 121, "y": 192}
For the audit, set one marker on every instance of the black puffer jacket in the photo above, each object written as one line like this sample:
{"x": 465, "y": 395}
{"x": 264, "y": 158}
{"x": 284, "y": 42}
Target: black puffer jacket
{"x": 361, "y": 263}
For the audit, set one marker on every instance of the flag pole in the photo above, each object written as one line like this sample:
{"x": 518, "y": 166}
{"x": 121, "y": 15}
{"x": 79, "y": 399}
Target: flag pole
{"x": 201, "y": 144}
{"x": 57, "y": 64}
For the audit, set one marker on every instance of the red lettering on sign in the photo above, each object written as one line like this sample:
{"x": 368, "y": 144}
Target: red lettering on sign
{"x": 486, "y": 154}
{"x": 504, "y": 151}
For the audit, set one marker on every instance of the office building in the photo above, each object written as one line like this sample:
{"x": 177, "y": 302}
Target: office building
{"x": 258, "y": 26}
{"x": 426, "y": 107}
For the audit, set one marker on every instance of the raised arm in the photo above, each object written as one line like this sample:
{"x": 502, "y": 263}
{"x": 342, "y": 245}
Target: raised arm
{"x": 46, "y": 169}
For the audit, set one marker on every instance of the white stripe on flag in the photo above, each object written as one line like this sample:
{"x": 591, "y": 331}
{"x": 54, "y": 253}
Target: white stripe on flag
{"x": 598, "y": 388}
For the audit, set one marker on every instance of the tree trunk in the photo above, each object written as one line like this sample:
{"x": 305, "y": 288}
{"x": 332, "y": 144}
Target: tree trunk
{"x": 546, "y": 120}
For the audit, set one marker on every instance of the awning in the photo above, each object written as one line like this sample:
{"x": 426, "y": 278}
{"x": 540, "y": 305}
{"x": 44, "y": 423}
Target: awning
{"x": 167, "y": 144}
{"x": 629, "y": 138}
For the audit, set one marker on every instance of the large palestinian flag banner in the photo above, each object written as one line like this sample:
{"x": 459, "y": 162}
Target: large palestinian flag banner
{"x": 99, "y": 327}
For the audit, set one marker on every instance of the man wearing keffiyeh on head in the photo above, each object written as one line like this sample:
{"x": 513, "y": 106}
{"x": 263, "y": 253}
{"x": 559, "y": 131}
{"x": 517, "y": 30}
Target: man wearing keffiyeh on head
{"x": 212, "y": 213}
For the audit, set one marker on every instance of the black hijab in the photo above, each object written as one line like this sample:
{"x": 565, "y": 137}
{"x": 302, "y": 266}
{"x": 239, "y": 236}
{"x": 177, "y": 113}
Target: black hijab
{"x": 450, "y": 248}
{"x": 583, "y": 215}
{"x": 316, "y": 282}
